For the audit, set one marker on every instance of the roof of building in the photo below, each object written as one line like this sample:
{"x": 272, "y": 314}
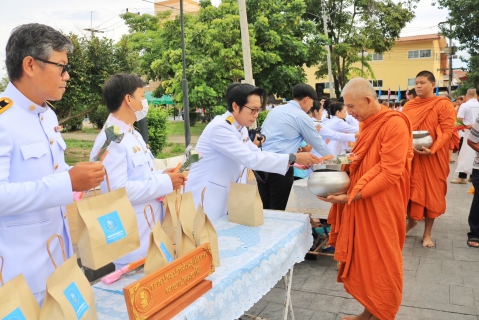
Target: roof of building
{"x": 419, "y": 37}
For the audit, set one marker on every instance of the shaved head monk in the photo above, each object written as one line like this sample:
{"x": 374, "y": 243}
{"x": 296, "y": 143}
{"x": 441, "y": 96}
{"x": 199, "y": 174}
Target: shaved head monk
{"x": 430, "y": 166}
{"x": 369, "y": 221}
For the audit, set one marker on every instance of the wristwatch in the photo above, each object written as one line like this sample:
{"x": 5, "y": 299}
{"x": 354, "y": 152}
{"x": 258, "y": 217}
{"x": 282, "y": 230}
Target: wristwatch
{"x": 292, "y": 159}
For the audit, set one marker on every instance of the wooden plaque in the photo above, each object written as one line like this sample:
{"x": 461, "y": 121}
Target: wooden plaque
{"x": 154, "y": 292}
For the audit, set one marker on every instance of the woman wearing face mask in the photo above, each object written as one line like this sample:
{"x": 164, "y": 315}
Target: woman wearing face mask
{"x": 337, "y": 123}
{"x": 129, "y": 163}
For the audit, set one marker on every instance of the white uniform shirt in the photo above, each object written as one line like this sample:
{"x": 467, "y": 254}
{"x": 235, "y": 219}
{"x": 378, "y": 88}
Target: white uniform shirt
{"x": 34, "y": 187}
{"x": 338, "y": 125}
{"x": 226, "y": 149}
{"x": 130, "y": 164}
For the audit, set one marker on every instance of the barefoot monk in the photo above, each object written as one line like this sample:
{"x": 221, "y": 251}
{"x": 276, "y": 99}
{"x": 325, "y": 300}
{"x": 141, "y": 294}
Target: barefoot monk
{"x": 430, "y": 166}
{"x": 369, "y": 222}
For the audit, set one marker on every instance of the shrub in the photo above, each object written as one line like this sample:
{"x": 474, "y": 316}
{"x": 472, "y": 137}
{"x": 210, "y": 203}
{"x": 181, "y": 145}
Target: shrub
{"x": 157, "y": 120}
{"x": 218, "y": 110}
{"x": 194, "y": 116}
{"x": 261, "y": 117}
{"x": 73, "y": 124}
{"x": 98, "y": 116}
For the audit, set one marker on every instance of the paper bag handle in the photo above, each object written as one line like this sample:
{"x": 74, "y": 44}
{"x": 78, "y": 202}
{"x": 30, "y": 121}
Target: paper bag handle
{"x": 1, "y": 272}
{"x": 179, "y": 198}
{"x": 242, "y": 173}
{"x": 62, "y": 245}
{"x": 152, "y": 215}
{"x": 203, "y": 197}
{"x": 107, "y": 183}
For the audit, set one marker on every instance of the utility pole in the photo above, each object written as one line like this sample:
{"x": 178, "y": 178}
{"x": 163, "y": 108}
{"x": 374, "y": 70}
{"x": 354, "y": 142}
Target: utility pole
{"x": 450, "y": 62}
{"x": 91, "y": 26}
{"x": 330, "y": 73}
{"x": 184, "y": 82}
{"x": 248, "y": 70}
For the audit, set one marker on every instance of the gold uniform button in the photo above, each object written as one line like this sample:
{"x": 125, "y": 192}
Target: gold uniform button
{"x": 151, "y": 169}
{"x": 56, "y": 166}
{"x": 64, "y": 216}
{"x": 51, "y": 141}
{"x": 32, "y": 107}
{"x": 41, "y": 118}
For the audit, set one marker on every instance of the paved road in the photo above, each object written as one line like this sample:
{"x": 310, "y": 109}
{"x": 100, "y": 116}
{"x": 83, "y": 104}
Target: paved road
{"x": 439, "y": 283}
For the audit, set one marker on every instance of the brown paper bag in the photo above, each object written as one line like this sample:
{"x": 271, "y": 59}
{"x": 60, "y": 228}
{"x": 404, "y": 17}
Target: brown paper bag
{"x": 69, "y": 294}
{"x": 171, "y": 216}
{"x": 107, "y": 229}
{"x": 160, "y": 250}
{"x": 185, "y": 206}
{"x": 244, "y": 204}
{"x": 204, "y": 232}
{"x": 16, "y": 299}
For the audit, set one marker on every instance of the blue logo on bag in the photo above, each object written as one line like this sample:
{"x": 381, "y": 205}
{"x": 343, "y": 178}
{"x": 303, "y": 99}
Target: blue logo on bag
{"x": 112, "y": 227}
{"x": 75, "y": 298}
{"x": 165, "y": 251}
{"x": 16, "y": 314}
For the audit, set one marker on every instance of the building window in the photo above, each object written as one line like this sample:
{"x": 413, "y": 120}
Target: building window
{"x": 377, "y": 57}
{"x": 376, "y": 83}
{"x": 326, "y": 85}
{"x": 417, "y": 54}
{"x": 411, "y": 82}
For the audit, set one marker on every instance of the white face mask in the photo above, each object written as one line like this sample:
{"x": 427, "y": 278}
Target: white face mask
{"x": 141, "y": 114}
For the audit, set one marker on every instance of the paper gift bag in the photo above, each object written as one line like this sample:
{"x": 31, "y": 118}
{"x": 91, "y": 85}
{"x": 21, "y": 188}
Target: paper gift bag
{"x": 107, "y": 228}
{"x": 244, "y": 204}
{"x": 16, "y": 299}
{"x": 204, "y": 232}
{"x": 160, "y": 249}
{"x": 185, "y": 206}
{"x": 171, "y": 217}
{"x": 69, "y": 294}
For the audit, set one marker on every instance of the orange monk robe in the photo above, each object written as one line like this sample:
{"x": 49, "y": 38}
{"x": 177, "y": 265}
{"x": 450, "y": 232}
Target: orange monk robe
{"x": 429, "y": 173}
{"x": 368, "y": 234}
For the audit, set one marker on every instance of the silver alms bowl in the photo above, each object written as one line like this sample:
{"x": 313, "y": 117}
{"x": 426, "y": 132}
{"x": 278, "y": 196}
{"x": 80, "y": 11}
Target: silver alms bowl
{"x": 323, "y": 182}
{"x": 421, "y": 139}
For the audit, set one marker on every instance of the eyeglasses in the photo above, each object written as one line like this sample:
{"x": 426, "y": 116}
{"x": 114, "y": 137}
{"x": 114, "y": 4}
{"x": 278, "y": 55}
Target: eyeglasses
{"x": 253, "y": 110}
{"x": 65, "y": 67}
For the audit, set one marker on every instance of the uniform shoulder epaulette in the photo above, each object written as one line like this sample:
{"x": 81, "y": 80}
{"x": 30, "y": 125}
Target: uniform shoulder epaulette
{"x": 5, "y": 103}
{"x": 51, "y": 105}
{"x": 230, "y": 120}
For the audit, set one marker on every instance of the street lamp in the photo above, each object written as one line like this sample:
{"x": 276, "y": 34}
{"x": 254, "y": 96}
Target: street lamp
{"x": 362, "y": 54}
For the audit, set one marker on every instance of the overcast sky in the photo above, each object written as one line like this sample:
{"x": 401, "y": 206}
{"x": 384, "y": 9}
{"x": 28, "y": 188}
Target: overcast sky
{"x": 75, "y": 16}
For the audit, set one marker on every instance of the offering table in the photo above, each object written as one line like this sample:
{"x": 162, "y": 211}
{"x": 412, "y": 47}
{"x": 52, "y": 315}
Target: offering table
{"x": 253, "y": 260}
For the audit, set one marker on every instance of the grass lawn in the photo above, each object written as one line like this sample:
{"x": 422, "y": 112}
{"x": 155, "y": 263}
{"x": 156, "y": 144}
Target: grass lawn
{"x": 171, "y": 150}
{"x": 178, "y": 128}
{"x": 90, "y": 130}
{"x": 77, "y": 151}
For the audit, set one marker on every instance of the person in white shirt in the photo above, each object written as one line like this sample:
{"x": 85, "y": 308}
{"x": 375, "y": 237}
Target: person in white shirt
{"x": 468, "y": 112}
{"x": 129, "y": 163}
{"x": 337, "y": 123}
{"x": 35, "y": 181}
{"x": 226, "y": 149}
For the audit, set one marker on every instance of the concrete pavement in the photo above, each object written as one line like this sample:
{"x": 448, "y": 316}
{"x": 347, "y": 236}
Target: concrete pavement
{"x": 439, "y": 283}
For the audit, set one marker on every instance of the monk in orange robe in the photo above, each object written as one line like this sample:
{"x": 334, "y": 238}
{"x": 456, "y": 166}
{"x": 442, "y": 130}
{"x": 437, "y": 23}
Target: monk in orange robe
{"x": 369, "y": 221}
{"x": 430, "y": 166}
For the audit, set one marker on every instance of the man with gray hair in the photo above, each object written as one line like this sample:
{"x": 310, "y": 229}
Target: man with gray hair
{"x": 35, "y": 181}
{"x": 467, "y": 113}
{"x": 371, "y": 265}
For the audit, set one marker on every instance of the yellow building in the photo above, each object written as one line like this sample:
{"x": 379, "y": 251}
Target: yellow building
{"x": 399, "y": 66}
{"x": 189, "y": 6}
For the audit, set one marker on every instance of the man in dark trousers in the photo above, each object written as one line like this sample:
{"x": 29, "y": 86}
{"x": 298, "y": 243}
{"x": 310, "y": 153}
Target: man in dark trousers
{"x": 285, "y": 128}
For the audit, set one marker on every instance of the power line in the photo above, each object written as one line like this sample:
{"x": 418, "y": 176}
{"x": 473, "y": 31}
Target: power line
{"x": 116, "y": 15}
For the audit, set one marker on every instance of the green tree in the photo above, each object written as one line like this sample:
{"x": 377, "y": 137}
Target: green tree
{"x": 3, "y": 83}
{"x": 464, "y": 19}
{"x": 354, "y": 26}
{"x": 93, "y": 62}
{"x": 281, "y": 43}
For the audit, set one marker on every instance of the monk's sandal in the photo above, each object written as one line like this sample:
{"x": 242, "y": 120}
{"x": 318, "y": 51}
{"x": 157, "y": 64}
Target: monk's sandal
{"x": 459, "y": 181}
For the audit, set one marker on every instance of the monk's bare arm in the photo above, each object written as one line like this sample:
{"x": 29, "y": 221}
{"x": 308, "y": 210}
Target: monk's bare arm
{"x": 447, "y": 120}
{"x": 395, "y": 147}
